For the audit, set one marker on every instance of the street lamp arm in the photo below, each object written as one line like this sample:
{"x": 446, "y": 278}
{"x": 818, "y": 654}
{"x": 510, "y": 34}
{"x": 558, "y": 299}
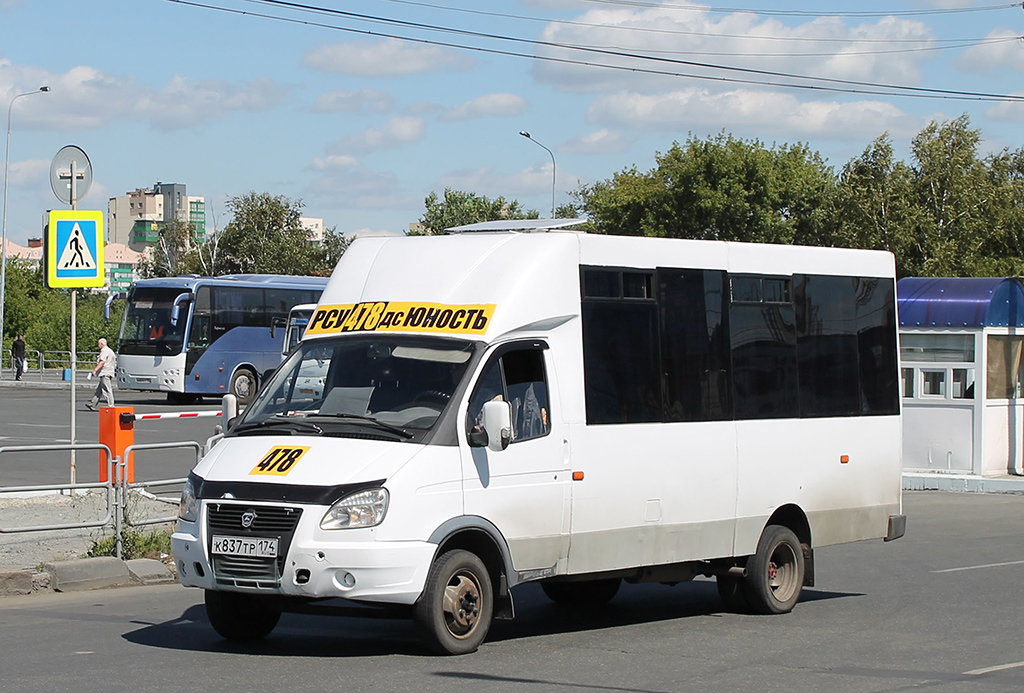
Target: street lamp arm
{"x": 525, "y": 134}
{"x": 3, "y": 223}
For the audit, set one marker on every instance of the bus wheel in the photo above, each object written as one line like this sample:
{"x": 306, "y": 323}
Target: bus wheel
{"x": 241, "y": 617}
{"x": 587, "y": 593}
{"x": 455, "y": 611}
{"x": 775, "y": 574}
{"x": 733, "y": 592}
{"x": 243, "y": 385}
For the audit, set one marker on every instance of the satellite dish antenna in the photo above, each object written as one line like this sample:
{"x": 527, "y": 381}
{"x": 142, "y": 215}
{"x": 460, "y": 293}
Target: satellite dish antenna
{"x": 70, "y": 175}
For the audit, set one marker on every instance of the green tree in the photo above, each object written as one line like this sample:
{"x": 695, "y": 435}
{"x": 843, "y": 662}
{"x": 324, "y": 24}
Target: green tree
{"x": 946, "y": 213}
{"x": 721, "y": 188}
{"x": 459, "y": 208}
{"x": 264, "y": 236}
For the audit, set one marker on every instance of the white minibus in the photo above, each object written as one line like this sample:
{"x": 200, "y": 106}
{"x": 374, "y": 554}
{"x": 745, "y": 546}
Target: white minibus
{"x": 518, "y": 402}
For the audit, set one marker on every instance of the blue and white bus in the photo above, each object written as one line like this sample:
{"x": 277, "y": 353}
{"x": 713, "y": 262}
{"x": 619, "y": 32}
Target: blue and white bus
{"x": 197, "y": 336}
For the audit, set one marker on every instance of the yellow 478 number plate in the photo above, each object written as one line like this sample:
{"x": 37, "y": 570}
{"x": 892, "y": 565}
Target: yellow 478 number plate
{"x": 279, "y": 460}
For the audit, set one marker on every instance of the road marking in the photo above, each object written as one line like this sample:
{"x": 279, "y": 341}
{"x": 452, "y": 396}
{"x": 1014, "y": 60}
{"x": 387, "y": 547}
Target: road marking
{"x": 989, "y": 670}
{"x": 977, "y": 567}
{"x": 35, "y": 425}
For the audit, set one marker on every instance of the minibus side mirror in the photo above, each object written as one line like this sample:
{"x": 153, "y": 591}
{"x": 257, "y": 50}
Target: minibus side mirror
{"x": 497, "y": 424}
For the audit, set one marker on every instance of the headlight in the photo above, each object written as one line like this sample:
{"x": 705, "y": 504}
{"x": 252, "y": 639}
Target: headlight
{"x": 362, "y": 509}
{"x": 188, "y": 508}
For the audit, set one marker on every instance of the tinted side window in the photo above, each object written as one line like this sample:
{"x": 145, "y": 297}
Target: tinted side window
{"x": 694, "y": 345}
{"x": 827, "y": 345}
{"x": 876, "y": 345}
{"x": 621, "y": 362}
{"x": 233, "y": 307}
{"x": 764, "y": 363}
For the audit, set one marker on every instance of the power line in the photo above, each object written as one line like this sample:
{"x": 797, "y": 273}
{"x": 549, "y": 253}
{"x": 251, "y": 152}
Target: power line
{"x": 808, "y": 13}
{"x": 842, "y": 86}
{"x": 681, "y": 32}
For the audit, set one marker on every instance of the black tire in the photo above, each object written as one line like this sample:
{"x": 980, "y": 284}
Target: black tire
{"x": 733, "y": 591}
{"x": 241, "y": 617}
{"x": 457, "y": 606}
{"x": 775, "y": 574}
{"x": 587, "y": 593}
{"x": 243, "y": 385}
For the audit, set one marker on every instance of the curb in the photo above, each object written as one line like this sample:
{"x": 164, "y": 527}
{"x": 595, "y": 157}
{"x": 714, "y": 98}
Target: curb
{"x": 83, "y": 574}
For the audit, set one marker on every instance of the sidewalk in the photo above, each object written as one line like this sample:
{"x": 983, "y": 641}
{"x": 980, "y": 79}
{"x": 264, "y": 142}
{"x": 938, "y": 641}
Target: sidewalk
{"x": 46, "y": 380}
{"x": 944, "y": 481}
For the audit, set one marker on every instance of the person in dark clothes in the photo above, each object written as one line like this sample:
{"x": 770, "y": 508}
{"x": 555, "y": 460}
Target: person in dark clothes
{"x": 18, "y": 352}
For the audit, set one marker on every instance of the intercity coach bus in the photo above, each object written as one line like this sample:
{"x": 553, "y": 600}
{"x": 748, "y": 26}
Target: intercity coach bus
{"x": 191, "y": 336}
{"x": 517, "y": 402}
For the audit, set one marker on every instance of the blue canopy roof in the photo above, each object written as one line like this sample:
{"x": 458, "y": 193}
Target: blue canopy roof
{"x": 960, "y": 302}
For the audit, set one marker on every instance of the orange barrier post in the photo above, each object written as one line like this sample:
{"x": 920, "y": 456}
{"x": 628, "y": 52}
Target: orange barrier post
{"x": 117, "y": 433}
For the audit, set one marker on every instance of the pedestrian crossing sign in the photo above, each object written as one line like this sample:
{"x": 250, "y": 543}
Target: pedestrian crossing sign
{"x": 74, "y": 249}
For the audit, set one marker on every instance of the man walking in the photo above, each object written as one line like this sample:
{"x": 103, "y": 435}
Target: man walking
{"x": 18, "y": 352}
{"x": 105, "y": 370}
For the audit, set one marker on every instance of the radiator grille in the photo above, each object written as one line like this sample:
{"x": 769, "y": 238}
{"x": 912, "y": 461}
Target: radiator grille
{"x": 251, "y": 572}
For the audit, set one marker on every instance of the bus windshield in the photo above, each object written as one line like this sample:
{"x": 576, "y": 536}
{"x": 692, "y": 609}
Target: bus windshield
{"x": 147, "y": 328}
{"x": 392, "y": 387}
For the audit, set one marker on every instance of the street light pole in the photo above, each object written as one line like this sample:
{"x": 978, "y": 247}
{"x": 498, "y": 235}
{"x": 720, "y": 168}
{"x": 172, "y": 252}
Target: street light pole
{"x": 3, "y": 233}
{"x": 525, "y": 134}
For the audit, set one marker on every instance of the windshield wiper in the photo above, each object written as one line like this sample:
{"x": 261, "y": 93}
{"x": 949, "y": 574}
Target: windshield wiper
{"x": 359, "y": 418}
{"x": 278, "y": 420}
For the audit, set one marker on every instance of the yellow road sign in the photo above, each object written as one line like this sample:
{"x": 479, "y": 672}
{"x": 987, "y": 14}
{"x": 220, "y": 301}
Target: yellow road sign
{"x": 74, "y": 249}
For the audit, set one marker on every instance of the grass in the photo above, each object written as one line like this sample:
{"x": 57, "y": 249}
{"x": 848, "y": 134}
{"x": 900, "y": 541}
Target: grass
{"x": 134, "y": 544}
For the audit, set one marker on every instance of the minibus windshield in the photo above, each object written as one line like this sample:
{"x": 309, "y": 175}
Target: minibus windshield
{"x": 392, "y": 387}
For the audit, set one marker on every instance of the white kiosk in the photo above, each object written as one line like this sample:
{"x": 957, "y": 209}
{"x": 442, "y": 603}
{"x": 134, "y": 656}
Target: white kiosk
{"x": 961, "y": 341}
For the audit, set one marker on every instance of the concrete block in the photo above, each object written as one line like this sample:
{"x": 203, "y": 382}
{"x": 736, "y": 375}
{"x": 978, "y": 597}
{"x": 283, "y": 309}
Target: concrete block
{"x": 15, "y": 582}
{"x": 87, "y": 574}
{"x": 149, "y": 571}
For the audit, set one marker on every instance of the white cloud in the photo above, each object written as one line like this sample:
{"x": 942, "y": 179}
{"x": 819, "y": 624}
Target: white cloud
{"x": 30, "y": 171}
{"x": 532, "y": 180}
{"x": 394, "y": 133}
{"x": 334, "y": 161}
{"x": 360, "y": 101}
{"x": 487, "y": 106}
{"x": 85, "y": 98}
{"x": 602, "y": 141}
{"x": 386, "y": 58}
{"x": 1007, "y": 112}
{"x": 739, "y": 40}
{"x": 1003, "y": 51}
{"x": 183, "y": 104}
{"x": 774, "y": 112}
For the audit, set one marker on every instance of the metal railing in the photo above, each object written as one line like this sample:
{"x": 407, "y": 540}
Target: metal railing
{"x": 41, "y": 361}
{"x": 117, "y": 490}
{"x": 108, "y": 485}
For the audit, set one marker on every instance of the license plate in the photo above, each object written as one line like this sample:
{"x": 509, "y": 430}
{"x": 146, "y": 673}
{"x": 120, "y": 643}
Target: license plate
{"x": 260, "y": 547}
{"x": 143, "y": 380}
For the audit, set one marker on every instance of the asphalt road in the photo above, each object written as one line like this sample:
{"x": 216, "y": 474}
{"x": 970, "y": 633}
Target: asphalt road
{"x": 34, "y": 416}
{"x": 939, "y": 610}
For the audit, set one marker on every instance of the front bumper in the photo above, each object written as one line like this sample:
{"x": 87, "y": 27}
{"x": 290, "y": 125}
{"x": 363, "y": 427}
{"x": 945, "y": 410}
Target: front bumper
{"x": 316, "y": 563}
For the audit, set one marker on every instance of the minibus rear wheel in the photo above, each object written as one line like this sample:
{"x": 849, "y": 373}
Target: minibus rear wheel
{"x": 241, "y": 617}
{"x": 455, "y": 611}
{"x": 775, "y": 574}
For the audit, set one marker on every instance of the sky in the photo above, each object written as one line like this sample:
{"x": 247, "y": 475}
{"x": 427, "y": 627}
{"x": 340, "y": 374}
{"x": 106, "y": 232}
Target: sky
{"x": 362, "y": 108}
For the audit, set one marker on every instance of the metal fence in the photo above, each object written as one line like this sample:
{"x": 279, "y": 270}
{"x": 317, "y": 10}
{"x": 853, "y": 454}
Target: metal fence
{"x": 42, "y": 361}
{"x": 118, "y": 500}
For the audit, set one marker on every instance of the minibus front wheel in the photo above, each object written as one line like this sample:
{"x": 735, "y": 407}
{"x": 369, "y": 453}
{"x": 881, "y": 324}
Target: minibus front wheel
{"x": 455, "y": 610}
{"x": 241, "y": 617}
